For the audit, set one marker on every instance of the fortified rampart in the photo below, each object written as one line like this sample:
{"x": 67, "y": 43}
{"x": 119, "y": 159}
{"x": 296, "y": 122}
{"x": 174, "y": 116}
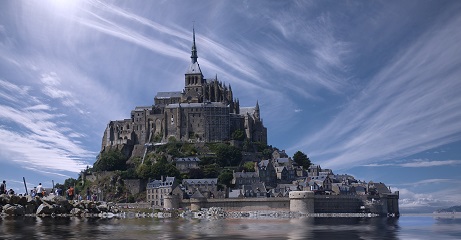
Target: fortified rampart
{"x": 298, "y": 201}
{"x": 244, "y": 204}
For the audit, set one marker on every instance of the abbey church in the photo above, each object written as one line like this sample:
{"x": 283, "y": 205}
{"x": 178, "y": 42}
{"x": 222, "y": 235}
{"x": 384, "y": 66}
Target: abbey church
{"x": 204, "y": 111}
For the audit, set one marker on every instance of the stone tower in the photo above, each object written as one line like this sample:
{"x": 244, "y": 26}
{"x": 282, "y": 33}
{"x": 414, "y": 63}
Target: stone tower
{"x": 194, "y": 80}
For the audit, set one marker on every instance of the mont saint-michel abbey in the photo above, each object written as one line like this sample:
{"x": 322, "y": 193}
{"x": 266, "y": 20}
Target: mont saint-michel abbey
{"x": 205, "y": 111}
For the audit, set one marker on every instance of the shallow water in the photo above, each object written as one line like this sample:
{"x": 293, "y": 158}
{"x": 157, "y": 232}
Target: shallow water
{"x": 405, "y": 227}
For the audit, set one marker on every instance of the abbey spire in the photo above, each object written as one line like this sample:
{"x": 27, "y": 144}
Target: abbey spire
{"x": 193, "y": 56}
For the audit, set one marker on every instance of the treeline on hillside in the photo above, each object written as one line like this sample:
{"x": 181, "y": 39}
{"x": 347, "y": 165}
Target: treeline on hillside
{"x": 218, "y": 160}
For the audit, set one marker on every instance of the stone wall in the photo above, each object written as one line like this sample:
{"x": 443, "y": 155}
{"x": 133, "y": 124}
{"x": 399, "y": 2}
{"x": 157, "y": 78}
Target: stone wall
{"x": 337, "y": 204}
{"x": 244, "y": 204}
{"x": 135, "y": 186}
{"x": 307, "y": 203}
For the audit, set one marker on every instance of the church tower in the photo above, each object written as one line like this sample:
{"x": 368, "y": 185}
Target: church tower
{"x": 194, "y": 80}
{"x": 256, "y": 113}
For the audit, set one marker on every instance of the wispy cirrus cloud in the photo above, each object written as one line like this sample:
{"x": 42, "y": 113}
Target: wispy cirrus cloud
{"x": 428, "y": 181}
{"x": 51, "y": 87}
{"x": 230, "y": 58}
{"x": 409, "y": 106}
{"x": 418, "y": 163}
{"x": 38, "y": 136}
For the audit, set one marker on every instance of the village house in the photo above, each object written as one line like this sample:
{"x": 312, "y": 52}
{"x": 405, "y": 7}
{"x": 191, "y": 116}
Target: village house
{"x": 187, "y": 163}
{"x": 157, "y": 190}
{"x": 244, "y": 178}
{"x": 279, "y": 154}
{"x": 266, "y": 172}
{"x": 208, "y": 187}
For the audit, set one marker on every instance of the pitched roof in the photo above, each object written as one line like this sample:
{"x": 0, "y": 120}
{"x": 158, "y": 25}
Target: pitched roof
{"x": 188, "y": 159}
{"x": 200, "y": 181}
{"x": 194, "y": 68}
{"x": 197, "y": 194}
{"x": 245, "y": 174}
{"x": 169, "y": 181}
{"x": 166, "y": 95}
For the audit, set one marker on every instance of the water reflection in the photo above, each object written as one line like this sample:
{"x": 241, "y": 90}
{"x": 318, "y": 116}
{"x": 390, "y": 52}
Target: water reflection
{"x": 239, "y": 228}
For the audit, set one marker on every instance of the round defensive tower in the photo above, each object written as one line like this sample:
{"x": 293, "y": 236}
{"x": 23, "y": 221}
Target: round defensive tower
{"x": 171, "y": 202}
{"x": 302, "y": 201}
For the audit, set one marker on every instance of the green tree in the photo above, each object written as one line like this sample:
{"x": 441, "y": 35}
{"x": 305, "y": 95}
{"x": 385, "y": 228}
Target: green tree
{"x": 163, "y": 168}
{"x": 110, "y": 161}
{"x": 225, "y": 178}
{"x": 211, "y": 171}
{"x": 144, "y": 171}
{"x": 302, "y": 160}
{"x": 228, "y": 155}
{"x": 238, "y": 135}
{"x": 196, "y": 173}
{"x": 267, "y": 153}
{"x": 249, "y": 167}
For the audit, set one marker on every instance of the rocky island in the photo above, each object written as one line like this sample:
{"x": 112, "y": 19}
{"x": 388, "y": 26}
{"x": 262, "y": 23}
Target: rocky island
{"x": 199, "y": 149}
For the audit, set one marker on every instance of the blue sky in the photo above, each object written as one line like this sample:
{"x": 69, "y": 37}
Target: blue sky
{"x": 369, "y": 88}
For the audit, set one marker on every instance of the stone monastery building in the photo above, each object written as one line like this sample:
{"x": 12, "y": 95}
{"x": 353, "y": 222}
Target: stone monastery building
{"x": 205, "y": 110}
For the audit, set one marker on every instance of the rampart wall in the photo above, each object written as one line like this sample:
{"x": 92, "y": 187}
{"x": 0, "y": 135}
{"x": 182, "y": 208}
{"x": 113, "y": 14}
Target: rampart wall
{"x": 337, "y": 204}
{"x": 304, "y": 203}
{"x": 243, "y": 204}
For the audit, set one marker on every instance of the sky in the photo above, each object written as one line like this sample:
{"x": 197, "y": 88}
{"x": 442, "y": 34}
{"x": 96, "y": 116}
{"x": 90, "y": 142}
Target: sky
{"x": 368, "y": 88}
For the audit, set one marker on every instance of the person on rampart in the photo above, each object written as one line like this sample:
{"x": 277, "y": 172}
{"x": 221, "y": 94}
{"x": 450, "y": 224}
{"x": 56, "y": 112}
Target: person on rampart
{"x": 3, "y": 187}
{"x": 40, "y": 190}
{"x": 33, "y": 192}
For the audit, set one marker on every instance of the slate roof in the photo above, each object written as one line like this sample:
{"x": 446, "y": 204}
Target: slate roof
{"x": 166, "y": 95}
{"x": 381, "y": 188}
{"x": 200, "y": 181}
{"x": 193, "y": 68}
{"x": 264, "y": 163}
{"x": 279, "y": 169}
{"x": 169, "y": 181}
{"x": 245, "y": 175}
{"x": 187, "y": 159}
{"x": 196, "y": 105}
{"x": 245, "y": 110}
{"x": 197, "y": 195}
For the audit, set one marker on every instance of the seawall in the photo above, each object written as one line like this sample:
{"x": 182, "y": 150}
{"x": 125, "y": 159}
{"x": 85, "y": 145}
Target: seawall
{"x": 299, "y": 201}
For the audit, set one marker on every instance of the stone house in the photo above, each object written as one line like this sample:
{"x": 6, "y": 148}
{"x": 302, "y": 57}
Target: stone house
{"x": 257, "y": 189}
{"x": 208, "y": 187}
{"x": 244, "y": 178}
{"x": 187, "y": 163}
{"x": 156, "y": 191}
{"x": 266, "y": 173}
{"x": 279, "y": 154}
{"x": 282, "y": 174}
{"x": 314, "y": 170}
{"x": 283, "y": 162}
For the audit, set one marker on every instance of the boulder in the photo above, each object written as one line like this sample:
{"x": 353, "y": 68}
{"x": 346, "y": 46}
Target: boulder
{"x": 30, "y": 208}
{"x": 4, "y": 199}
{"x": 13, "y": 209}
{"x": 59, "y": 209}
{"x": 45, "y": 209}
{"x": 103, "y": 208}
{"x": 77, "y": 211}
{"x": 64, "y": 203}
{"x": 18, "y": 200}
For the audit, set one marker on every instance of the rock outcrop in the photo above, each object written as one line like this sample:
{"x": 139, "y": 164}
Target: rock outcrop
{"x": 51, "y": 205}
